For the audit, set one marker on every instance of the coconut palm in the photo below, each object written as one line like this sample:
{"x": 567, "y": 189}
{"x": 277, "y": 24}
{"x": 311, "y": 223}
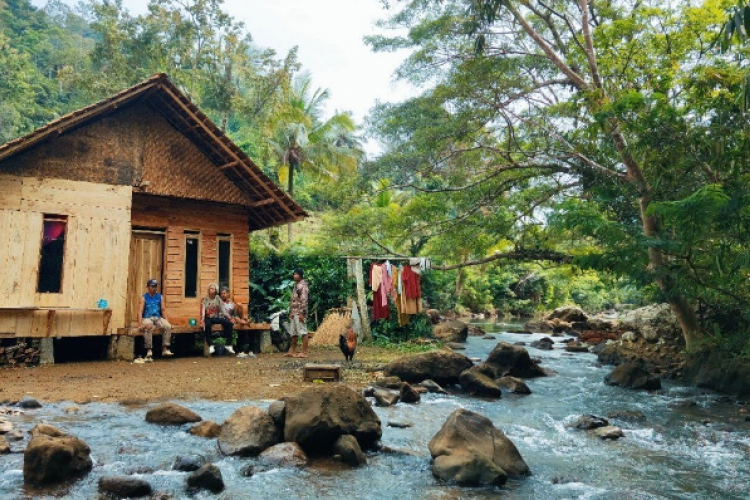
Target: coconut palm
{"x": 304, "y": 141}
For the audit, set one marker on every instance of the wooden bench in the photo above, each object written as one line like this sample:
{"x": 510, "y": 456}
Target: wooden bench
{"x": 256, "y": 330}
{"x": 48, "y": 326}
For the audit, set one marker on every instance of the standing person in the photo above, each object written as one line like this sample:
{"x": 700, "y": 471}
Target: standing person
{"x": 298, "y": 314}
{"x": 235, "y": 314}
{"x": 211, "y": 315}
{"x": 153, "y": 313}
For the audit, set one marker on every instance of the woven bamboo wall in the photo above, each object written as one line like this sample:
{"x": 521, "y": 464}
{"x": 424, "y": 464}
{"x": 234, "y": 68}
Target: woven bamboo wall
{"x": 177, "y": 216}
{"x": 96, "y": 252}
{"x": 135, "y": 143}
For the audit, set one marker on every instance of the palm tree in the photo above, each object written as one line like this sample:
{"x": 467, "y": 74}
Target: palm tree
{"x": 304, "y": 141}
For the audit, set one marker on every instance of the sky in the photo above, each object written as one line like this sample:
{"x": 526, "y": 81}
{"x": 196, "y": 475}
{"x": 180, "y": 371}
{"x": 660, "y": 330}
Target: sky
{"x": 330, "y": 35}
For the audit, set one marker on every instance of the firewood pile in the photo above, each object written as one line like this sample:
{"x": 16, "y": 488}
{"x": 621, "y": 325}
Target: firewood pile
{"x": 20, "y": 354}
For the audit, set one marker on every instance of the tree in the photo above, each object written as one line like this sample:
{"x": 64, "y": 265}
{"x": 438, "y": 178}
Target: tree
{"x": 552, "y": 118}
{"x": 304, "y": 141}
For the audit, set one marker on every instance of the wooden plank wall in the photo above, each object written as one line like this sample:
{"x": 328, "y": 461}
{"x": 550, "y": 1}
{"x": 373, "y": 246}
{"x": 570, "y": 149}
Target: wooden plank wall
{"x": 96, "y": 253}
{"x": 208, "y": 219}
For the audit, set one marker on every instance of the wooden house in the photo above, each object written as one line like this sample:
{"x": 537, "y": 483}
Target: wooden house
{"x": 140, "y": 185}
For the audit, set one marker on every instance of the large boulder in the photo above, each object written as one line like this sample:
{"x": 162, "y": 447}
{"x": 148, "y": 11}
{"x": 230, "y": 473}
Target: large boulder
{"x": 50, "y": 459}
{"x": 451, "y": 331}
{"x": 124, "y": 487}
{"x": 443, "y": 366}
{"x": 652, "y": 322}
{"x": 284, "y": 455}
{"x": 276, "y": 411}
{"x": 569, "y": 314}
{"x": 208, "y": 478}
{"x": 470, "y": 450}
{"x": 508, "y": 359}
{"x": 171, "y": 414}
{"x": 477, "y": 384}
{"x": 318, "y": 416}
{"x": 432, "y": 386}
{"x": 248, "y": 432}
{"x": 633, "y": 376}
{"x": 348, "y": 449}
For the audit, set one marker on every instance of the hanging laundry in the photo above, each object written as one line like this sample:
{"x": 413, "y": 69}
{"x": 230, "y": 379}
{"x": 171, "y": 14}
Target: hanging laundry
{"x": 380, "y": 308}
{"x": 412, "y": 285}
{"x": 376, "y": 276}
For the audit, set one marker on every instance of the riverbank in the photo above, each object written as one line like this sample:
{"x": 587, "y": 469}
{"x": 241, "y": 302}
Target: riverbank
{"x": 269, "y": 376}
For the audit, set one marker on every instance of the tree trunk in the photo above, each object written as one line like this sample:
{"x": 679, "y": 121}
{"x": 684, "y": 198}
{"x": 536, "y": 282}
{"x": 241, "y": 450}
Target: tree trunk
{"x": 290, "y": 190}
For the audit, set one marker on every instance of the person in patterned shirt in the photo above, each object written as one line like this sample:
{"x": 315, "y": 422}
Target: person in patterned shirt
{"x": 298, "y": 314}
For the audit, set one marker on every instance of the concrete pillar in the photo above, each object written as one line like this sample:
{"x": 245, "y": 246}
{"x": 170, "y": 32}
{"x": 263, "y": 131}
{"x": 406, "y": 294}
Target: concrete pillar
{"x": 47, "y": 351}
{"x": 121, "y": 348}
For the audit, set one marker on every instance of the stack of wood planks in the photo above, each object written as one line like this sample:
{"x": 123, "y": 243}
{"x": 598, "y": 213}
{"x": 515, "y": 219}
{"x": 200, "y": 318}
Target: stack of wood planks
{"x": 20, "y": 354}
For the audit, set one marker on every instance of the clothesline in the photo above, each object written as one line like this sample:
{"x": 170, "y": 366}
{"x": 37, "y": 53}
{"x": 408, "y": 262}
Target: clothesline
{"x": 380, "y": 257}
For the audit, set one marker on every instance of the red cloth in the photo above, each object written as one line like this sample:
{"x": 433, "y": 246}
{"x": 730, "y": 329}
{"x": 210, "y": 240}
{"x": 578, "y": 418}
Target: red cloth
{"x": 411, "y": 283}
{"x": 380, "y": 308}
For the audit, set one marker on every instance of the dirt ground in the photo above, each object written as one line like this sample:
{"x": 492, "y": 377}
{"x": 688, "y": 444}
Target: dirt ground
{"x": 226, "y": 378}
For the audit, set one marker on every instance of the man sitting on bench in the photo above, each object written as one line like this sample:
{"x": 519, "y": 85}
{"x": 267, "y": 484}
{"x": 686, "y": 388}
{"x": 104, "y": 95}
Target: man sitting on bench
{"x": 153, "y": 313}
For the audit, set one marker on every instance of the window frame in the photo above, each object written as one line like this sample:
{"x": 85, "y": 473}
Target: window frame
{"x": 229, "y": 239}
{"x": 53, "y": 218}
{"x": 197, "y": 236}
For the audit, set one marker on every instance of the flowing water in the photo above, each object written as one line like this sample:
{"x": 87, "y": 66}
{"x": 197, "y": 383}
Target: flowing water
{"x": 691, "y": 444}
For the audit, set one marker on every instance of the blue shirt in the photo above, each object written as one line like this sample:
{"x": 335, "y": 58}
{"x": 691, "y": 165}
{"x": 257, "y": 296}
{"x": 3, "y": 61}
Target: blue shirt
{"x": 152, "y": 306}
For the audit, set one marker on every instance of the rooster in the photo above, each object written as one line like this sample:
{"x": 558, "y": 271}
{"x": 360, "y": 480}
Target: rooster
{"x": 348, "y": 344}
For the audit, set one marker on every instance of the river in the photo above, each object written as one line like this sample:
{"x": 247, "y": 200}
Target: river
{"x": 691, "y": 444}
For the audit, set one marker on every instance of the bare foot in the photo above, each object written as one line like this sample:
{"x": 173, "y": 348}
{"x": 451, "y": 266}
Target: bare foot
{"x": 303, "y": 355}
{"x": 290, "y": 355}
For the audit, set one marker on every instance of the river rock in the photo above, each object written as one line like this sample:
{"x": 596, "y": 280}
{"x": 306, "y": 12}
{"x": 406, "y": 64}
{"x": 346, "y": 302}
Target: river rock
{"x": 477, "y": 384}
{"x": 608, "y": 432}
{"x": 455, "y": 346}
{"x": 348, "y": 449}
{"x": 432, "y": 386}
{"x": 400, "y": 425}
{"x": 72, "y": 409}
{"x": 569, "y": 314}
{"x": 4, "y": 446}
{"x": 652, "y": 322}
{"x": 384, "y": 397}
{"x": 188, "y": 463}
{"x": 285, "y": 455}
{"x": 476, "y": 331}
{"x": 514, "y": 385}
{"x": 54, "y": 459}
{"x": 576, "y": 347}
{"x": 5, "y": 426}
{"x": 318, "y": 416}
{"x": 508, "y": 359}
{"x": 434, "y": 316}
{"x": 248, "y": 432}
{"x": 16, "y": 435}
{"x": 207, "y": 429}
{"x": 388, "y": 382}
{"x": 276, "y": 411}
{"x": 408, "y": 394}
{"x": 171, "y": 414}
{"x": 47, "y": 430}
{"x": 540, "y": 326}
{"x": 627, "y": 415}
{"x": 124, "y": 487}
{"x": 588, "y": 422}
{"x": 28, "y": 403}
{"x": 633, "y": 376}
{"x": 545, "y": 344}
{"x": 470, "y": 450}
{"x": 208, "y": 478}
{"x": 443, "y": 366}
{"x": 451, "y": 331}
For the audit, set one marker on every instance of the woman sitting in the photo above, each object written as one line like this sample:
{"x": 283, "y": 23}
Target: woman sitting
{"x": 211, "y": 315}
{"x": 235, "y": 313}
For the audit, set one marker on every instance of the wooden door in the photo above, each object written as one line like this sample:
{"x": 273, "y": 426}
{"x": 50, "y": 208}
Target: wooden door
{"x": 146, "y": 262}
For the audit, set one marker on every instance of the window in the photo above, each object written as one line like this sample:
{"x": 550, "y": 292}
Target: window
{"x": 52, "y": 254}
{"x": 225, "y": 261}
{"x": 192, "y": 252}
